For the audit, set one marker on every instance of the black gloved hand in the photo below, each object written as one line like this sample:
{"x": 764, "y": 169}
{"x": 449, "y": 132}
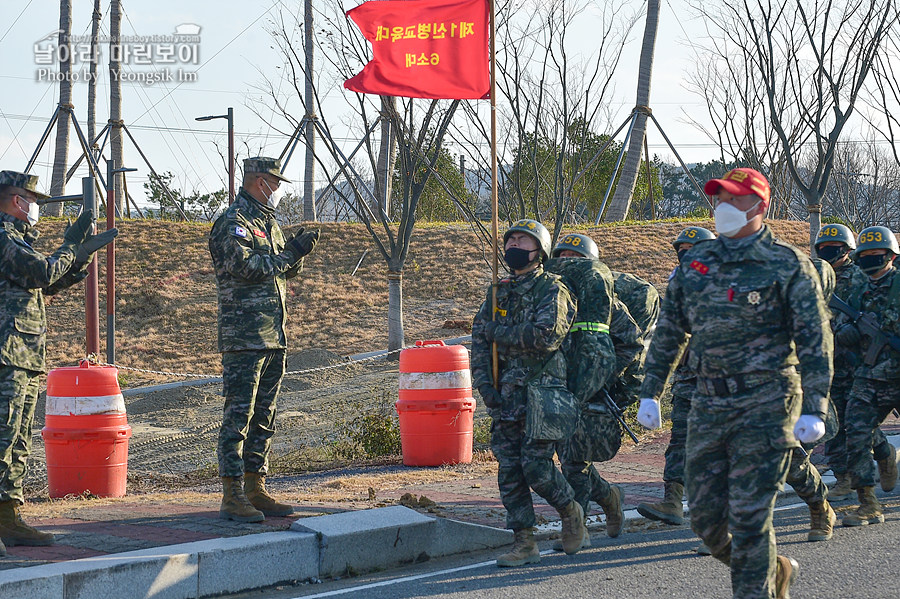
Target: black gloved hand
{"x": 848, "y": 335}
{"x": 302, "y": 242}
{"x": 93, "y": 243}
{"x": 490, "y": 396}
{"x": 78, "y": 231}
{"x": 490, "y": 329}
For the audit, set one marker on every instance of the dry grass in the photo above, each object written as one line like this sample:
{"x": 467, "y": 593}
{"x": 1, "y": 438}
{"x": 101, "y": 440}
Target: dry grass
{"x": 166, "y": 293}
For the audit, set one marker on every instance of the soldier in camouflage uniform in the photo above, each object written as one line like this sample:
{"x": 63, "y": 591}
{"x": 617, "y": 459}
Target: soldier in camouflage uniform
{"x": 26, "y": 276}
{"x": 530, "y": 405}
{"x": 642, "y": 301}
{"x": 598, "y": 435}
{"x": 252, "y": 262}
{"x": 876, "y": 385}
{"x": 754, "y": 309}
{"x": 803, "y": 477}
{"x": 670, "y": 510}
{"x": 834, "y": 243}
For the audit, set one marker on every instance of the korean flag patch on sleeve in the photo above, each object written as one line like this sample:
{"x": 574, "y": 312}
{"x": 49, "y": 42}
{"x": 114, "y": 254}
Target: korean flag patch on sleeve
{"x": 239, "y": 231}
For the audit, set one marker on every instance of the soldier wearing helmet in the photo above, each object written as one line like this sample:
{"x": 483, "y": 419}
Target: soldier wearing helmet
{"x": 670, "y": 510}
{"x": 534, "y": 311}
{"x": 835, "y": 243}
{"x": 603, "y": 342}
{"x": 689, "y": 237}
{"x": 876, "y": 384}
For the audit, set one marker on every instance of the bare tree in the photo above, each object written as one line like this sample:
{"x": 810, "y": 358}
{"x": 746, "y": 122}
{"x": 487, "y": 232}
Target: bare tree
{"x": 811, "y": 60}
{"x": 552, "y": 103}
{"x": 418, "y": 128}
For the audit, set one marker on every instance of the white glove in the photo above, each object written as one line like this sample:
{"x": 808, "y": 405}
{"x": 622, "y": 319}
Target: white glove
{"x": 648, "y": 413}
{"x": 808, "y": 429}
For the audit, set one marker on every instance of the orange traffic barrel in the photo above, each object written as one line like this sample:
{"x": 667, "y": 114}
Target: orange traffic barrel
{"x": 86, "y": 431}
{"x": 436, "y": 408}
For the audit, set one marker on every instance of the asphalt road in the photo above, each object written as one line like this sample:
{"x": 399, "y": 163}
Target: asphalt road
{"x": 648, "y": 564}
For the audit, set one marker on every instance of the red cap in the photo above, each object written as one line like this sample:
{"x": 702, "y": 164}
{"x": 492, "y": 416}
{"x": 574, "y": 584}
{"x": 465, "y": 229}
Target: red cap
{"x": 740, "y": 182}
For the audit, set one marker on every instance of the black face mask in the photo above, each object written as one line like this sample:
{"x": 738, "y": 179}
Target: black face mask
{"x": 831, "y": 253}
{"x": 872, "y": 263}
{"x": 517, "y": 258}
{"x": 681, "y": 254}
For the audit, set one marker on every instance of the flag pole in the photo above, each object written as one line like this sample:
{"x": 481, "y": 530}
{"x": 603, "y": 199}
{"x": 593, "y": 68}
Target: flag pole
{"x": 495, "y": 361}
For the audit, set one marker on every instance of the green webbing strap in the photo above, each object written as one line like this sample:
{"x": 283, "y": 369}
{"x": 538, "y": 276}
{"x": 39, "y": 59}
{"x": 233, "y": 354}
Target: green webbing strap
{"x": 596, "y": 327}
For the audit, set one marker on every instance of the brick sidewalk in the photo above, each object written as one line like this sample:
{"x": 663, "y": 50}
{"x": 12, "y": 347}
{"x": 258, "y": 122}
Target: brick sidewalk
{"x": 89, "y": 528}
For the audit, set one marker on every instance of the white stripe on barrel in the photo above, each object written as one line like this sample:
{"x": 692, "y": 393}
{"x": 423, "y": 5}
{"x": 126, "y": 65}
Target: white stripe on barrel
{"x": 454, "y": 379}
{"x": 85, "y": 406}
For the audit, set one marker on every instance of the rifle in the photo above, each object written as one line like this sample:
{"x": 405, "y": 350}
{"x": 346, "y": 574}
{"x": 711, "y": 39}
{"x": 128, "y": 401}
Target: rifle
{"x": 868, "y": 326}
{"x": 608, "y": 406}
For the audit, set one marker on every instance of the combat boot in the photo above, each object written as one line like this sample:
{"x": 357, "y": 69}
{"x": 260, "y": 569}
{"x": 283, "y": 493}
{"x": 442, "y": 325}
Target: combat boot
{"x": 613, "y": 508}
{"x": 573, "y": 529}
{"x": 13, "y": 531}
{"x": 669, "y": 510}
{"x": 524, "y": 550}
{"x": 255, "y": 490}
{"x": 703, "y": 549}
{"x": 887, "y": 470}
{"x": 785, "y": 575}
{"x": 821, "y": 521}
{"x": 840, "y": 490}
{"x": 2, "y": 549}
{"x": 235, "y": 505}
{"x": 868, "y": 512}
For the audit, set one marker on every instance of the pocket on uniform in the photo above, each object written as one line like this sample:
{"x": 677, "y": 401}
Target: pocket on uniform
{"x": 30, "y": 326}
{"x": 551, "y": 412}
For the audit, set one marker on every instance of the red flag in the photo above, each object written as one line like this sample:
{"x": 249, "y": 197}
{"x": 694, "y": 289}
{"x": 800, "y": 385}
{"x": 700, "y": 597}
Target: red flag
{"x": 424, "y": 48}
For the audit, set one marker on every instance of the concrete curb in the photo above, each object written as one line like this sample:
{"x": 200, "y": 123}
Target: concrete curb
{"x": 321, "y": 547}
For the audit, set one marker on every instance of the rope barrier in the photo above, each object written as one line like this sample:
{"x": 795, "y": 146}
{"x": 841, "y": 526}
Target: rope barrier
{"x": 94, "y": 359}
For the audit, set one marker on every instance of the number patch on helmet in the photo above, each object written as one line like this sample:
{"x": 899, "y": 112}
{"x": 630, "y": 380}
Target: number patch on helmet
{"x": 572, "y": 240}
{"x": 830, "y": 232}
{"x": 870, "y": 237}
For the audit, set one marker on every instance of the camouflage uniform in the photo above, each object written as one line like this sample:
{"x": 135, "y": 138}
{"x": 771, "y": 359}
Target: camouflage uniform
{"x": 642, "y": 301}
{"x": 535, "y": 311}
{"x": 876, "y": 387}
{"x": 754, "y": 310}
{"x": 27, "y": 275}
{"x": 851, "y": 282}
{"x": 591, "y": 359}
{"x": 252, "y": 268}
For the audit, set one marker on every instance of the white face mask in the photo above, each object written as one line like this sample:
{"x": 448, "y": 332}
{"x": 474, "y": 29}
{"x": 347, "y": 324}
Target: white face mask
{"x": 275, "y": 195}
{"x": 730, "y": 220}
{"x": 32, "y": 213}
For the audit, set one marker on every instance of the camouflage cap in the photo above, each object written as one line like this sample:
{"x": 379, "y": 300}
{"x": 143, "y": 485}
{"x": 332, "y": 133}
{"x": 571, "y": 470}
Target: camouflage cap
{"x": 261, "y": 164}
{"x": 22, "y": 181}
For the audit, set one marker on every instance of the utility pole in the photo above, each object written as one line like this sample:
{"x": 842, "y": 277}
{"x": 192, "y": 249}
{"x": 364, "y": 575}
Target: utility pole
{"x": 61, "y": 152}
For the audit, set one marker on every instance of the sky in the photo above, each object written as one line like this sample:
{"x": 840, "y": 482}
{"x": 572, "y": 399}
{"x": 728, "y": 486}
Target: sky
{"x": 222, "y": 68}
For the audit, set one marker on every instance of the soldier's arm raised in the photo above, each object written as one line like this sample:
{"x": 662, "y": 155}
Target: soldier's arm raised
{"x": 31, "y": 269}
{"x": 243, "y": 262}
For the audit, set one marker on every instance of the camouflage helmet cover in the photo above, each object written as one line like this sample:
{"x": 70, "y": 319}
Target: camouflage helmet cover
{"x": 577, "y": 242}
{"x": 22, "y": 181}
{"x": 836, "y": 232}
{"x": 693, "y": 235}
{"x": 533, "y": 228}
{"x": 875, "y": 238}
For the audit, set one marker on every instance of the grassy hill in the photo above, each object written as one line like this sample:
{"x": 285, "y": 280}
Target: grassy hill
{"x": 166, "y": 291}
